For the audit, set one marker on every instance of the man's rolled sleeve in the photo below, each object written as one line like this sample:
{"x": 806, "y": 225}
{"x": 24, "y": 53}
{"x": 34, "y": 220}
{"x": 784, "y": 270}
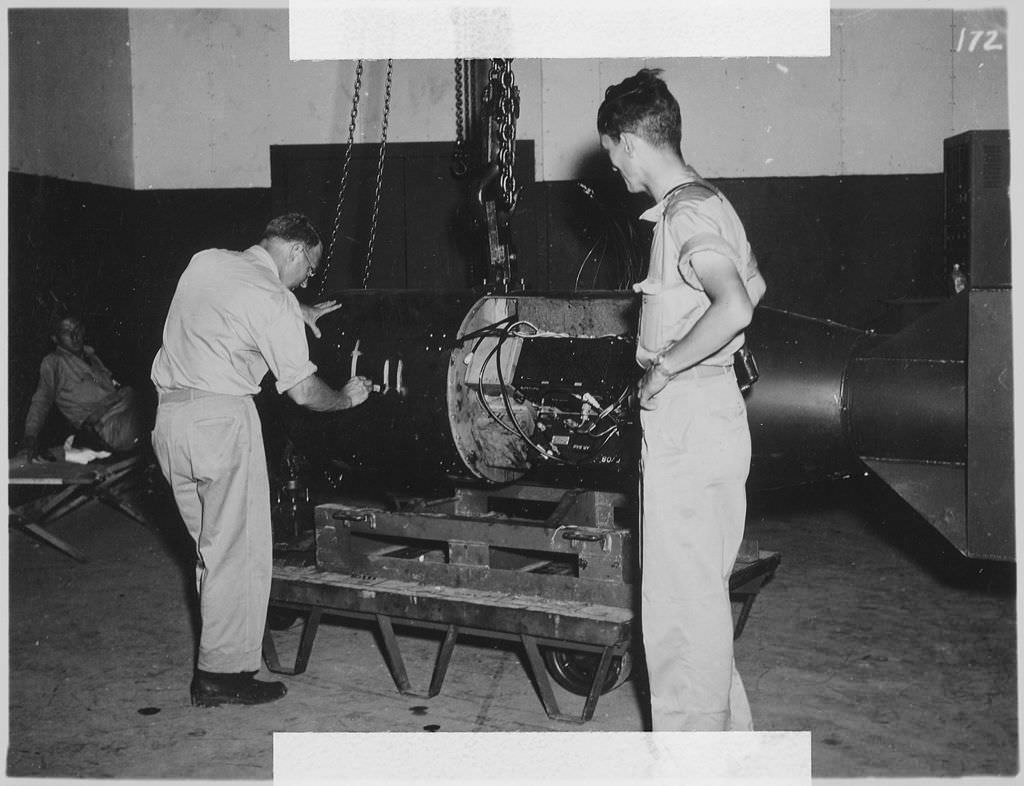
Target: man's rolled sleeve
{"x": 283, "y": 345}
{"x": 285, "y": 384}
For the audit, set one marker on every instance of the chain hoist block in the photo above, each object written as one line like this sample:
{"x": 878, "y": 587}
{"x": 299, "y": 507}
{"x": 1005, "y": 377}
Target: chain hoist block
{"x": 501, "y": 104}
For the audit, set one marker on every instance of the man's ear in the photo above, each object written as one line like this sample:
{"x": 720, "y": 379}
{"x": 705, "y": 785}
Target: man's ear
{"x": 628, "y": 141}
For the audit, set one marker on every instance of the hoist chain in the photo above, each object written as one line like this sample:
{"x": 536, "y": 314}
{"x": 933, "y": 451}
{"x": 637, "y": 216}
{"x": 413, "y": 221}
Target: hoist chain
{"x": 460, "y": 157}
{"x": 502, "y": 99}
{"x": 329, "y": 256}
{"x": 380, "y": 175}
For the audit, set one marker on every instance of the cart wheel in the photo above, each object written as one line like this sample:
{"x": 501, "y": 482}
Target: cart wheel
{"x": 281, "y": 619}
{"x": 574, "y": 670}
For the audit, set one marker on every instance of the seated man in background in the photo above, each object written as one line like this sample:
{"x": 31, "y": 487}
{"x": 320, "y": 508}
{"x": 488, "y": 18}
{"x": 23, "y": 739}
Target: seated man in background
{"x": 106, "y": 415}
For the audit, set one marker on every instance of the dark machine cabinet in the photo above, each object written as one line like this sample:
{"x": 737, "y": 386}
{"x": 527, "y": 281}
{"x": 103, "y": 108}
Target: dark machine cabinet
{"x": 977, "y": 205}
{"x": 977, "y": 239}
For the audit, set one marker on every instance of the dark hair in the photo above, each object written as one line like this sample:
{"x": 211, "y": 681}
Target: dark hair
{"x": 57, "y": 317}
{"x": 291, "y": 227}
{"x": 643, "y": 105}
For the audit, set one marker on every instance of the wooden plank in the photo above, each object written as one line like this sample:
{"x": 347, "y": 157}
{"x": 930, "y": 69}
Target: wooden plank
{"x": 462, "y": 606}
{"x": 364, "y": 584}
{"x": 556, "y": 586}
{"x": 524, "y": 534}
{"x": 463, "y": 553}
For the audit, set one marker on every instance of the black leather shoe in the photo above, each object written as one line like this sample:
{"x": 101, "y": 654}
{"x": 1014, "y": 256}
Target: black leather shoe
{"x": 211, "y": 689}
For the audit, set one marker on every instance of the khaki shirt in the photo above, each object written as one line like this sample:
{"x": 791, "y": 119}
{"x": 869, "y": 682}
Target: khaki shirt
{"x": 689, "y": 219}
{"x": 230, "y": 321}
{"x": 77, "y": 385}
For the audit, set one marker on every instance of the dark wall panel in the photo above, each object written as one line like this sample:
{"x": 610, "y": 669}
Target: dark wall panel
{"x": 428, "y": 226}
{"x": 589, "y": 236}
{"x": 167, "y": 228}
{"x": 851, "y": 249}
{"x": 114, "y": 255}
{"x": 68, "y": 242}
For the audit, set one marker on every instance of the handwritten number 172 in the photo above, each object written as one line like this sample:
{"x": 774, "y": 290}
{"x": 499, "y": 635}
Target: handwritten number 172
{"x": 973, "y": 37}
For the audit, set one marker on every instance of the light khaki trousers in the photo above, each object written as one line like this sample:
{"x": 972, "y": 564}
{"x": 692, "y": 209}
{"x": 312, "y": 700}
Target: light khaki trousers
{"x": 211, "y": 451}
{"x": 695, "y": 461}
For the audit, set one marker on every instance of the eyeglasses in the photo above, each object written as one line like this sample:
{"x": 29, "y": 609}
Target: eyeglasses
{"x": 310, "y": 267}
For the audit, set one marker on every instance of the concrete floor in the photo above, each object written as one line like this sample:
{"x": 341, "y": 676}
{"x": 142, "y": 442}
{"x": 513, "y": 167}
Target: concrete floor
{"x": 898, "y": 656}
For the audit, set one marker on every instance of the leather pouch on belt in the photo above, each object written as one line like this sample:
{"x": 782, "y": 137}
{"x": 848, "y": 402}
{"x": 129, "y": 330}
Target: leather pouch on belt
{"x": 746, "y": 368}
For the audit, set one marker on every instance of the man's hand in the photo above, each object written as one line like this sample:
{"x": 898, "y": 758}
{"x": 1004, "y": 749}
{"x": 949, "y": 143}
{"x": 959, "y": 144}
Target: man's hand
{"x": 30, "y": 447}
{"x": 315, "y": 394}
{"x": 651, "y": 384}
{"x": 310, "y": 314}
{"x": 357, "y": 390}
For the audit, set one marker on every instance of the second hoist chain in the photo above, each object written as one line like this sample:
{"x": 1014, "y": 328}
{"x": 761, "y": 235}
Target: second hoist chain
{"x": 329, "y": 257}
{"x": 460, "y": 156}
{"x": 380, "y": 175}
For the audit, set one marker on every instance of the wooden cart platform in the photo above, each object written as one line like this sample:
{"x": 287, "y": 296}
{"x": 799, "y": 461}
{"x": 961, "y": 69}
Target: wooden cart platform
{"x": 533, "y": 621}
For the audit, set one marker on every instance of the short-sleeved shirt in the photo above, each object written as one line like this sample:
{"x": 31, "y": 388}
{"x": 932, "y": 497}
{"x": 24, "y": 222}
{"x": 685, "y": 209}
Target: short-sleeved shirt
{"x": 230, "y": 321}
{"x": 693, "y": 217}
{"x": 76, "y": 384}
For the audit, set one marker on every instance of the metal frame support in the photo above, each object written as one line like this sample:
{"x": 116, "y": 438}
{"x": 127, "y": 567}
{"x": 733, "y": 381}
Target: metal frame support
{"x": 396, "y": 664}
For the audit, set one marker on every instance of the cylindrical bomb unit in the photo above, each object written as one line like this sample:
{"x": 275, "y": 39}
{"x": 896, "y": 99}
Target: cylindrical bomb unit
{"x": 399, "y": 439}
{"x": 796, "y": 408}
{"x": 906, "y": 394}
{"x": 539, "y": 387}
{"x": 474, "y": 391}
{"x": 536, "y": 388}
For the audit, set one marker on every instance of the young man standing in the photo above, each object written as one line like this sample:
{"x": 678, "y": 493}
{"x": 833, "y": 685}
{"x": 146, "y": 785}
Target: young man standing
{"x": 699, "y": 295}
{"x": 233, "y": 317}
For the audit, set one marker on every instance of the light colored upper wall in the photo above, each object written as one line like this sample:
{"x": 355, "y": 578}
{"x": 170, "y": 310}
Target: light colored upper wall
{"x": 212, "y": 89}
{"x": 209, "y": 120}
{"x": 980, "y": 72}
{"x": 70, "y": 95}
{"x": 891, "y": 91}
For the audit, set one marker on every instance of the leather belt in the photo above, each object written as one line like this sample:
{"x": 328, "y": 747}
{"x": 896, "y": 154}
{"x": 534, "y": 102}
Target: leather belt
{"x": 699, "y": 371}
{"x": 186, "y": 394}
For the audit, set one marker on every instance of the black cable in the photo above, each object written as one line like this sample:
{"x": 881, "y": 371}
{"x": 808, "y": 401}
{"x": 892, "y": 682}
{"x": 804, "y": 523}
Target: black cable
{"x": 515, "y": 429}
{"x": 547, "y": 454}
{"x": 486, "y": 330}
